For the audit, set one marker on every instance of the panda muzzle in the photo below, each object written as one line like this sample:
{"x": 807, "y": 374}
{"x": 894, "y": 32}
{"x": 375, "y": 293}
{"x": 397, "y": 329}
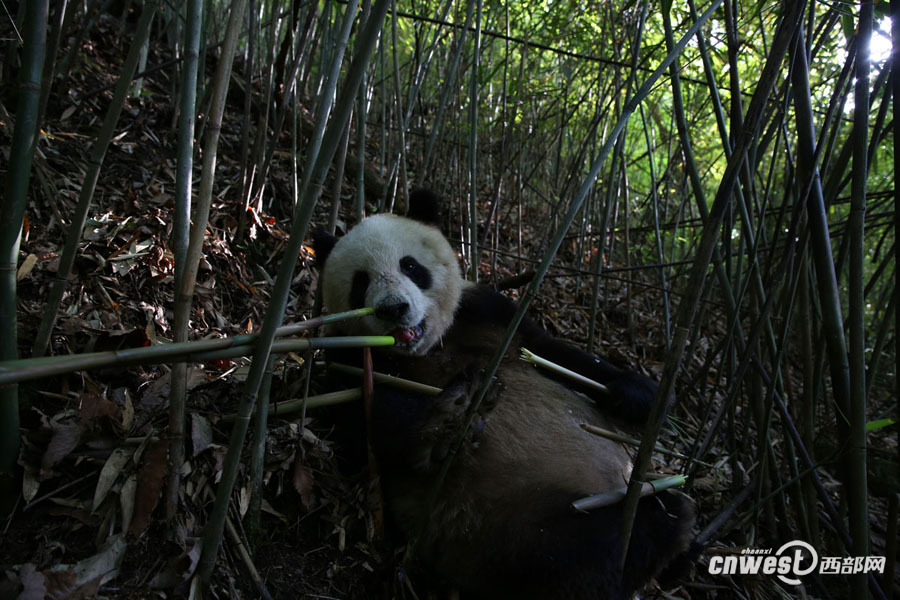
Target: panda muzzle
{"x": 395, "y": 310}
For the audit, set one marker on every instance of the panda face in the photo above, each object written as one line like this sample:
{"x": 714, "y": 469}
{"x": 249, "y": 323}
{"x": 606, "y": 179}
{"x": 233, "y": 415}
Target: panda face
{"x": 402, "y": 268}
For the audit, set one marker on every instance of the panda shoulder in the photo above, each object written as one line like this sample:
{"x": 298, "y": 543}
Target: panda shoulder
{"x": 484, "y": 306}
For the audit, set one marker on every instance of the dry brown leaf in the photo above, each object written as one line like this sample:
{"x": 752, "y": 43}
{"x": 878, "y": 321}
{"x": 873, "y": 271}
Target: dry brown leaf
{"x": 152, "y": 475}
{"x": 126, "y": 500}
{"x": 83, "y": 579}
{"x": 201, "y": 433}
{"x": 109, "y": 473}
{"x": 26, "y": 267}
{"x": 96, "y": 410}
{"x": 65, "y": 439}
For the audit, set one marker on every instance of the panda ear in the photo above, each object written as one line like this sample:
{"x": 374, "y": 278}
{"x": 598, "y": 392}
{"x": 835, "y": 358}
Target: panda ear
{"x": 425, "y": 207}
{"x": 323, "y": 242}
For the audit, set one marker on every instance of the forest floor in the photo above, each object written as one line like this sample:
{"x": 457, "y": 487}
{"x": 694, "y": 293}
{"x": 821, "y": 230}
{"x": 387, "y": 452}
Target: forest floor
{"x": 90, "y": 519}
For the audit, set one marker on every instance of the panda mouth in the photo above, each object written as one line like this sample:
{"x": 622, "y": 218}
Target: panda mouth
{"x": 407, "y": 337}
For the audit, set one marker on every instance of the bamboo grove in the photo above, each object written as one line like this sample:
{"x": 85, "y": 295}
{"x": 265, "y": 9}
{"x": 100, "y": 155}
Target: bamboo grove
{"x": 719, "y": 174}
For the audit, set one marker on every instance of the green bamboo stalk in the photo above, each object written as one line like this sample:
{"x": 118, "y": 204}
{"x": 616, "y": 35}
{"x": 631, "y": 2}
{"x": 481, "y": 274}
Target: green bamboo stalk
{"x": 891, "y": 551}
{"x": 339, "y": 163}
{"x": 181, "y": 243}
{"x": 290, "y": 85}
{"x": 9, "y": 369}
{"x": 422, "y": 69}
{"x": 60, "y": 22}
{"x": 397, "y": 382}
{"x": 648, "y": 488}
{"x": 687, "y": 308}
{"x": 95, "y": 163}
{"x": 531, "y": 357}
{"x": 856, "y": 485}
{"x": 807, "y": 410}
{"x": 667, "y": 317}
{"x": 474, "y": 256}
{"x": 248, "y": 166}
{"x": 258, "y": 452}
{"x": 612, "y": 189}
{"x": 186, "y": 121}
{"x": 448, "y": 89}
{"x": 293, "y": 406}
{"x": 361, "y": 112}
{"x": 401, "y": 117}
{"x": 12, "y": 214}
{"x": 185, "y": 291}
{"x": 28, "y": 369}
{"x": 891, "y": 548}
{"x": 826, "y": 277}
{"x": 319, "y": 157}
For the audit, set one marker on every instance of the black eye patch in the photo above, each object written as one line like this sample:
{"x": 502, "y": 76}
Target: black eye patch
{"x": 417, "y": 273}
{"x": 358, "y": 290}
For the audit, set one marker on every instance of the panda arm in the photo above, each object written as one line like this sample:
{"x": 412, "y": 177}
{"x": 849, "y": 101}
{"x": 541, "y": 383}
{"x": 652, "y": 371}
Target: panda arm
{"x": 414, "y": 432}
{"x": 630, "y": 394}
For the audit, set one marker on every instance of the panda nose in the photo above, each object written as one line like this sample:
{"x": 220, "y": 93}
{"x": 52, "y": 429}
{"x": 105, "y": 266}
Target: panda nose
{"x": 392, "y": 309}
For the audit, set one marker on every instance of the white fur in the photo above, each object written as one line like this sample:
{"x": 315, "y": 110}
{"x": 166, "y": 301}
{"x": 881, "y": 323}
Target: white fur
{"x": 376, "y": 246}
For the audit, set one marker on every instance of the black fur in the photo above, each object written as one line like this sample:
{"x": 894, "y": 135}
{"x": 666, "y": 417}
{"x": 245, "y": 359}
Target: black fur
{"x": 580, "y": 552}
{"x": 535, "y": 548}
{"x": 630, "y": 394}
{"x": 358, "y": 289}
{"x": 417, "y": 272}
{"x": 323, "y": 242}
{"x": 425, "y": 207}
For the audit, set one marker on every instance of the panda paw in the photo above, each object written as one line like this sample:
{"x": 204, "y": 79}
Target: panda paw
{"x": 631, "y": 396}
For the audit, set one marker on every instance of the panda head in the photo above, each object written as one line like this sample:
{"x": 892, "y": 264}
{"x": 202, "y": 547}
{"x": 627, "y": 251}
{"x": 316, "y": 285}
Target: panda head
{"x": 403, "y": 267}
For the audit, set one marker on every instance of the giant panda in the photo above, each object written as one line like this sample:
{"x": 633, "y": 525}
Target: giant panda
{"x": 502, "y": 525}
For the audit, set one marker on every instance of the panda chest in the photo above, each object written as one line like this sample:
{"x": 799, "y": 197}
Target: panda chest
{"x": 527, "y": 434}
{"x": 535, "y": 430}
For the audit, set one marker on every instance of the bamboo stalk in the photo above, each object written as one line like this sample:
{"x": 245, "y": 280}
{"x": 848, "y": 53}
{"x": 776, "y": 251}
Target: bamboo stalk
{"x": 398, "y": 382}
{"x": 184, "y": 293}
{"x": 688, "y": 306}
{"x": 181, "y": 238}
{"x": 648, "y": 488}
{"x": 531, "y": 357}
{"x": 17, "y": 371}
{"x": 12, "y": 214}
{"x": 282, "y": 409}
{"x": 474, "y": 256}
{"x": 320, "y": 155}
{"x": 856, "y": 486}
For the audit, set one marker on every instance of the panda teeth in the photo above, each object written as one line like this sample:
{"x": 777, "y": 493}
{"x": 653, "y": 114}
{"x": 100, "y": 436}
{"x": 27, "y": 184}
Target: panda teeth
{"x": 406, "y": 336}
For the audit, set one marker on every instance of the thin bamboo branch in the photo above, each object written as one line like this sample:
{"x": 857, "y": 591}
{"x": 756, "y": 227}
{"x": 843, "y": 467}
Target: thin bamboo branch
{"x": 474, "y": 257}
{"x": 95, "y": 163}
